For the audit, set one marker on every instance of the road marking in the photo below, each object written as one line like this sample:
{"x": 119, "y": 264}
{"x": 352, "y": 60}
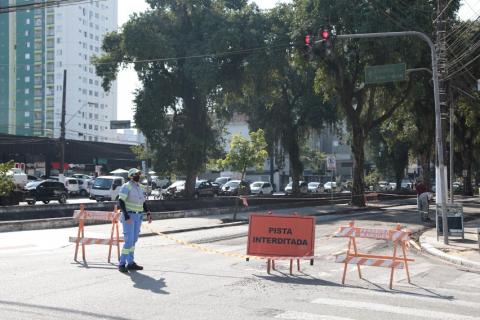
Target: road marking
{"x": 378, "y": 307}
{"x": 413, "y": 296}
{"x": 294, "y": 315}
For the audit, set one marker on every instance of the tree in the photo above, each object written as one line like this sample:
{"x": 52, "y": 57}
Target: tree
{"x": 245, "y": 153}
{"x": 465, "y": 101}
{"x": 278, "y": 93}
{"x": 313, "y": 159}
{"x": 340, "y": 73}
{"x": 186, "y": 56}
{"x": 6, "y": 181}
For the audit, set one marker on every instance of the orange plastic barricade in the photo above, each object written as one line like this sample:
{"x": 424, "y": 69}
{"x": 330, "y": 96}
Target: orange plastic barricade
{"x": 278, "y": 237}
{"x": 80, "y": 239}
{"x": 397, "y": 236}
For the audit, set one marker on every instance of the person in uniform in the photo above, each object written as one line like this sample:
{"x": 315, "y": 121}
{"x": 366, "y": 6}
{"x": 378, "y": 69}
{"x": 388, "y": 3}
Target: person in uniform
{"x": 132, "y": 202}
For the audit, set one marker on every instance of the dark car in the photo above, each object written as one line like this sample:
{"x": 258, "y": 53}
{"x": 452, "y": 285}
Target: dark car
{"x": 235, "y": 188}
{"x": 46, "y": 191}
{"x": 204, "y": 188}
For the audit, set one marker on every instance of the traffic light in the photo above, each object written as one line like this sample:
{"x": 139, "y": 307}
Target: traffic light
{"x": 319, "y": 46}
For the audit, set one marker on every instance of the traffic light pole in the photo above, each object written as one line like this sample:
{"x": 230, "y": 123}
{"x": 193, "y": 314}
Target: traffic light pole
{"x": 436, "y": 93}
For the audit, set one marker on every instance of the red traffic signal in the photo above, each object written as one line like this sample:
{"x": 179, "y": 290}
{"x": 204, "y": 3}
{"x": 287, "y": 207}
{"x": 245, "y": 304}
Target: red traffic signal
{"x": 309, "y": 40}
{"x": 325, "y": 34}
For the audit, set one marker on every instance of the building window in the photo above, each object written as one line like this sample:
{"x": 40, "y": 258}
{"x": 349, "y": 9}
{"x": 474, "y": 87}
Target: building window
{"x": 27, "y": 114}
{"x": 27, "y": 79}
{"x": 27, "y": 67}
{"x": 27, "y": 44}
{"x": 26, "y": 33}
{"x": 27, "y": 91}
{"x": 27, "y": 56}
{"x": 27, "y": 21}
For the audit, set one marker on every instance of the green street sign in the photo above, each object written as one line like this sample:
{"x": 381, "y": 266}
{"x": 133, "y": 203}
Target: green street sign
{"x": 385, "y": 73}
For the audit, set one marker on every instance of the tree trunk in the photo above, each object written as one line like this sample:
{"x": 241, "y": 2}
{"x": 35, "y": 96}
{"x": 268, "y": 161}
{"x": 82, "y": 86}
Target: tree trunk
{"x": 190, "y": 183}
{"x": 296, "y": 167}
{"x": 358, "y": 141}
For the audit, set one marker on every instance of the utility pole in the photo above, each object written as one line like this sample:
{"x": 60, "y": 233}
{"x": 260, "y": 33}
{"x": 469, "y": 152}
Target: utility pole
{"x": 451, "y": 145}
{"x": 62, "y": 126}
{"x": 436, "y": 93}
{"x": 441, "y": 49}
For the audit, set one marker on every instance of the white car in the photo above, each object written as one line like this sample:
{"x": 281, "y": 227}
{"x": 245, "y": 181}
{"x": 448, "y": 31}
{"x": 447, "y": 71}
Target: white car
{"x": 328, "y": 186}
{"x": 72, "y": 185}
{"x": 261, "y": 187}
{"x": 315, "y": 187}
{"x": 301, "y": 184}
{"x": 106, "y": 188}
{"x": 19, "y": 177}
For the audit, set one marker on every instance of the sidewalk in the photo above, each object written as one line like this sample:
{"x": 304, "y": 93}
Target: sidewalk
{"x": 459, "y": 251}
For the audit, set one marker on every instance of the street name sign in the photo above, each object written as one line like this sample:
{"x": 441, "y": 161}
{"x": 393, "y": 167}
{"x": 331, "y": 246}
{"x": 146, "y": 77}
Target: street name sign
{"x": 331, "y": 163}
{"x": 385, "y": 73}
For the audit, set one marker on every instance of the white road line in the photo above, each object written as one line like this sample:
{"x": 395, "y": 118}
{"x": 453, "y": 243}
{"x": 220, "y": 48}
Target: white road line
{"x": 294, "y": 315}
{"x": 412, "y": 296}
{"x": 407, "y": 311}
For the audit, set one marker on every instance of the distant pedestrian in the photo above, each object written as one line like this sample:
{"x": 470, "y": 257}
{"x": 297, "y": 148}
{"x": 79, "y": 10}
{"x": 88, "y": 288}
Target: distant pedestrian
{"x": 423, "y": 206}
{"x": 133, "y": 205}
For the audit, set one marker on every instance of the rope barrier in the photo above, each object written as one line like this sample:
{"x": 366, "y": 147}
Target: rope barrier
{"x": 218, "y": 252}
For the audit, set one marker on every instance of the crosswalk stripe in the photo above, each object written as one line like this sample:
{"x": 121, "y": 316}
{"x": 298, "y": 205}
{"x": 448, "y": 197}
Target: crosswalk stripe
{"x": 412, "y": 296}
{"x": 378, "y": 307}
{"x": 295, "y": 315}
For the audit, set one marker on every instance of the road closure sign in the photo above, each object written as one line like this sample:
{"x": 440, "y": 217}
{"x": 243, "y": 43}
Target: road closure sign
{"x": 281, "y": 236}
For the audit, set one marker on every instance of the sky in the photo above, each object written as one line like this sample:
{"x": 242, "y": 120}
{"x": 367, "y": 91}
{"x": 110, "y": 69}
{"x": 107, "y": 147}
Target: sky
{"x": 127, "y": 79}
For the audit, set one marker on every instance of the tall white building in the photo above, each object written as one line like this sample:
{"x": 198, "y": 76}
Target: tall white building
{"x": 79, "y": 31}
{"x": 36, "y": 46}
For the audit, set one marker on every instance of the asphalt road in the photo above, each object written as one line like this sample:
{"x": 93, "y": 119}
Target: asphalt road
{"x": 40, "y": 280}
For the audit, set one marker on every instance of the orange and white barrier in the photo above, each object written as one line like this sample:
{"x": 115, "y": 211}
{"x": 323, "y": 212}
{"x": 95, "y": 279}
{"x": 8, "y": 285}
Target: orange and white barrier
{"x": 397, "y": 236}
{"x": 80, "y": 239}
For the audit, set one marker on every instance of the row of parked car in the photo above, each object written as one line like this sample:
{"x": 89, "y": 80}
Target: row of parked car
{"x": 51, "y": 189}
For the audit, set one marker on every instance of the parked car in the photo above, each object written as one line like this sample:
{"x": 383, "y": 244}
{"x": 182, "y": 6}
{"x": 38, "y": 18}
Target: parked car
{"x": 261, "y": 187}
{"x": 176, "y": 189}
{"x": 72, "y": 185}
{"x": 158, "y": 182}
{"x": 383, "y": 185}
{"x": 106, "y": 188}
{"x": 392, "y": 186}
{"x": 82, "y": 176}
{"x": 235, "y": 188}
{"x": 330, "y": 186}
{"x": 204, "y": 188}
{"x": 45, "y": 191}
{"x": 315, "y": 187}
{"x": 406, "y": 184}
{"x": 222, "y": 180}
{"x": 302, "y": 185}
{"x": 19, "y": 177}
{"x": 84, "y": 187}
{"x": 31, "y": 178}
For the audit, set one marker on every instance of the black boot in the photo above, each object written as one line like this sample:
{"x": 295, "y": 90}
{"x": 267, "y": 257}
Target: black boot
{"x": 122, "y": 269}
{"x": 134, "y": 266}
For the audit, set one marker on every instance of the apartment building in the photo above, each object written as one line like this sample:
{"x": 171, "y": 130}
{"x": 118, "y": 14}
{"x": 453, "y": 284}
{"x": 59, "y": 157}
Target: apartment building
{"x": 36, "y": 46}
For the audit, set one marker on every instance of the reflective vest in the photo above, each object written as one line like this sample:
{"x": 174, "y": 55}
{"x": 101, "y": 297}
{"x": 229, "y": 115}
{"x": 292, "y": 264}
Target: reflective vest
{"x": 132, "y": 194}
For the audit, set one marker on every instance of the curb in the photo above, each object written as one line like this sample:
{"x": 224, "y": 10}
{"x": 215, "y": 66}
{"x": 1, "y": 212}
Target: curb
{"x": 427, "y": 247}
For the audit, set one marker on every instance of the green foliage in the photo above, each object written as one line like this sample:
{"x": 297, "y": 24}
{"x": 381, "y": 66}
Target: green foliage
{"x": 245, "y": 153}
{"x": 181, "y": 53}
{"x": 372, "y": 178}
{"x": 6, "y": 181}
{"x": 313, "y": 159}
